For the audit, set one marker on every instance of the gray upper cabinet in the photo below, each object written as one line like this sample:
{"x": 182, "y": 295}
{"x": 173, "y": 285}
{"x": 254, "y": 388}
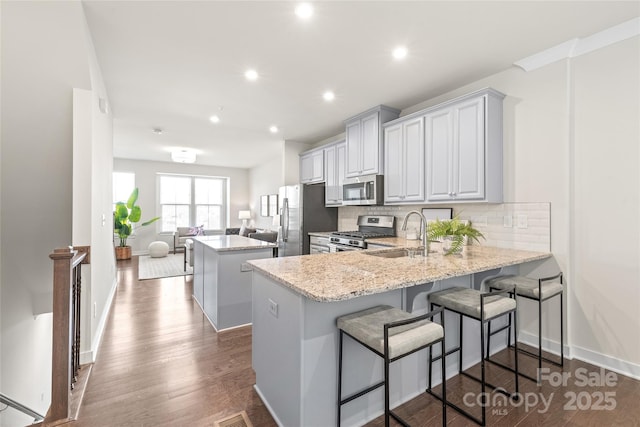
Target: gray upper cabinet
{"x": 364, "y": 141}
{"x": 334, "y": 172}
{"x": 464, "y": 149}
{"x": 404, "y": 162}
{"x": 312, "y": 166}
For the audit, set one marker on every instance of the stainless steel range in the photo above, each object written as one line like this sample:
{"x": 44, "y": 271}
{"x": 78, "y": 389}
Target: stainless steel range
{"x": 369, "y": 227}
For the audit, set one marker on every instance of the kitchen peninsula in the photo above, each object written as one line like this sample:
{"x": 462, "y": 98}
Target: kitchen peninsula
{"x": 296, "y": 301}
{"x": 222, "y": 278}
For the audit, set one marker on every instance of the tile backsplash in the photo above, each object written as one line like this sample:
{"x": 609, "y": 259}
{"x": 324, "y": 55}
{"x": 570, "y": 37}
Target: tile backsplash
{"x": 525, "y": 226}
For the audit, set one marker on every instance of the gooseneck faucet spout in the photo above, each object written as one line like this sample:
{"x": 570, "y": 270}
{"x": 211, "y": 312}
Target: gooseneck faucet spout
{"x": 423, "y": 224}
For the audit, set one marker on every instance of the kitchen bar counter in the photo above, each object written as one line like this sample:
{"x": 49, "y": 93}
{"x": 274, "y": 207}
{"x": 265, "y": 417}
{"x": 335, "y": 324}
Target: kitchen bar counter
{"x": 296, "y": 301}
{"x": 345, "y": 275}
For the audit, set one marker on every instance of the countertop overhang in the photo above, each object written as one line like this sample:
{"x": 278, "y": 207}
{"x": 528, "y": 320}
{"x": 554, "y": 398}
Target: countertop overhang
{"x": 345, "y": 275}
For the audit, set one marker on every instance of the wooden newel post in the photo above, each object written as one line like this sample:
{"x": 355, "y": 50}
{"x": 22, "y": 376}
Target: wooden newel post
{"x": 66, "y": 303}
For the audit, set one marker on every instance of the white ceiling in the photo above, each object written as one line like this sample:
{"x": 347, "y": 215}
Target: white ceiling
{"x": 173, "y": 64}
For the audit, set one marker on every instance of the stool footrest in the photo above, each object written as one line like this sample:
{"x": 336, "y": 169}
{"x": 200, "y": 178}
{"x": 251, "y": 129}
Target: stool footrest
{"x": 502, "y": 328}
{"x": 398, "y": 419}
{"x": 532, "y": 354}
{"x": 488, "y": 384}
{"x": 361, "y": 393}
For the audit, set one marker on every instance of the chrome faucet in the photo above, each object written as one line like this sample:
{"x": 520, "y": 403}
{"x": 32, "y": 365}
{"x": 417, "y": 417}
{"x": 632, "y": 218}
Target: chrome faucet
{"x": 423, "y": 224}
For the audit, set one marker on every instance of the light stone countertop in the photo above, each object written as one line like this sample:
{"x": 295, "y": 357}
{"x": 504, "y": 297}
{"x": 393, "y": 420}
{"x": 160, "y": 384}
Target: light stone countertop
{"x": 345, "y": 275}
{"x": 223, "y": 243}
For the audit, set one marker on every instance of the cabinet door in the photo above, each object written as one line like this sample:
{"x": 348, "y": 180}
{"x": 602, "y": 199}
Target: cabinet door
{"x": 439, "y": 141}
{"x": 354, "y": 150}
{"x": 370, "y": 144}
{"x": 306, "y": 168}
{"x": 468, "y": 156}
{"x": 341, "y": 159}
{"x": 330, "y": 196}
{"x": 393, "y": 164}
{"x": 312, "y": 167}
{"x": 413, "y": 152}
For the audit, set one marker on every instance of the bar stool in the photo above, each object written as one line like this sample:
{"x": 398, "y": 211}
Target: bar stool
{"x": 392, "y": 334}
{"x": 539, "y": 290}
{"x": 482, "y": 307}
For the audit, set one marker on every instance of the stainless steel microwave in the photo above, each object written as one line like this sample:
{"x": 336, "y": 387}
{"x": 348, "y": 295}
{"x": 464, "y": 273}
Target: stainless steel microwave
{"x": 363, "y": 190}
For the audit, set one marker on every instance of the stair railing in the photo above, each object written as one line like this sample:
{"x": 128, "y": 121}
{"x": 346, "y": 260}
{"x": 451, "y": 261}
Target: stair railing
{"x": 6, "y": 400}
{"x": 65, "y": 361}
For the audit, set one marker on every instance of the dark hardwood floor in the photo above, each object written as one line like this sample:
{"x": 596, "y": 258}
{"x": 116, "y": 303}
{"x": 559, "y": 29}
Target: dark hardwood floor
{"x": 162, "y": 364}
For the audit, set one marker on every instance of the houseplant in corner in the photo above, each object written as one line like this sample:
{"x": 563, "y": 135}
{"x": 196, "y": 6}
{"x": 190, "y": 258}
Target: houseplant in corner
{"x": 452, "y": 232}
{"x": 124, "y": 216}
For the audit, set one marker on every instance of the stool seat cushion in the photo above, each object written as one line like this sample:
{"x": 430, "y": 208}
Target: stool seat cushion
{"x": 158, "y": 249}
{"x": 467, "y": 302}
{"x": 526, "y": 286}
{"x": 367, "y": 326}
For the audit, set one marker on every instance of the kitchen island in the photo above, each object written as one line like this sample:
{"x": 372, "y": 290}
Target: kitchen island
{"x": 296, "y": 301}
{"x": 222, "y": 277}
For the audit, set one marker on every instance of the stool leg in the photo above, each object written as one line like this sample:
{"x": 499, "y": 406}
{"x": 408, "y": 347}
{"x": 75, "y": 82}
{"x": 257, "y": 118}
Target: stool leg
{"x": 444, "y": 375}
{"x": 340, "y": 378}
{"x": 386, "y": 378}
{"x": 482, "y": 372}
{"x": 515, "y": 327}
{"x": 539, "y": 337}
{"x": 561, "y": 329}
{"x": 460, "y": 352}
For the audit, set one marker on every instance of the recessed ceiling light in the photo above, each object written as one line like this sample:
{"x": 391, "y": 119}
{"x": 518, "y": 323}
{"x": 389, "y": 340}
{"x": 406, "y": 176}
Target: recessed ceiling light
{"x": 214, "y": 119}
{"x": 251, "y": 75}
{"x": 400, "y": 52}
{"x": 157, "y": 131}
{"x": 273, "y": 129}
{"x": 329, "y": 96}
{"x": 304, "y": 10}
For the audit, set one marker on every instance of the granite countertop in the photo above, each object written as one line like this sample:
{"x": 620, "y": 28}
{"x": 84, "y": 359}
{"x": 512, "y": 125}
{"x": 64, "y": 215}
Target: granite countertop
{"x": 223, "y": 243}
{"x": 345, "y": 275}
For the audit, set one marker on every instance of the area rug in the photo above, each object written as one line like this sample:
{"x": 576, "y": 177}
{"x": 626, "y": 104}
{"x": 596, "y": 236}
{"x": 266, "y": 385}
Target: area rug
{"x": 170, "y": 266}
{"x": 236, "y": 420}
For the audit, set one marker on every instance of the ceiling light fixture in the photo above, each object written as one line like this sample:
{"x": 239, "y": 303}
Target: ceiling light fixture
{"x": 157, "y": 131}
{"x": 183, "y": 156}
{"x": 273, "y": 129}
{"x": 251, "y": 75}
{"x": 304, "y": 10}
{"x": 400, "y": 52}
{"x": 214, "y": 119}
{"x": 329, "y": 96}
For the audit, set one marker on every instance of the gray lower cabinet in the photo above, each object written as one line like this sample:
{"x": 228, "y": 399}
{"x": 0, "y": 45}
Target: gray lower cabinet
{"x": 222, "y": 284}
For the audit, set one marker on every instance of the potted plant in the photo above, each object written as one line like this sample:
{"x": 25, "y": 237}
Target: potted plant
{"x": 124, "y": 216}
{"x": 452, "y": 233}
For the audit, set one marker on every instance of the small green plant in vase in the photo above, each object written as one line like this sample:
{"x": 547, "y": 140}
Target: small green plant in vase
{"x": 452, "y": 232}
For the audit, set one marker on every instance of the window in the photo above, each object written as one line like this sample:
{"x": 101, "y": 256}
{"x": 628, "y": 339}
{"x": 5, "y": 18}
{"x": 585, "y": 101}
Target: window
{"x": 192, "y": 201}
{"x": 123, "y": 185}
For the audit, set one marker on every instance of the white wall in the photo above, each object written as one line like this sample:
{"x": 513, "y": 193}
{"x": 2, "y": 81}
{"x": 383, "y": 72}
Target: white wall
{"x": 146, "y": 173}
{"x": 43, "y": 58}
{"x": 263, "y": 180}
{"x": 92, "y": 206}
{"x": 605, "y": 252}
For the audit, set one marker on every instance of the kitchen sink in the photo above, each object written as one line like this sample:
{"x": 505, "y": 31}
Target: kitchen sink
{"x": 396, "y": 253}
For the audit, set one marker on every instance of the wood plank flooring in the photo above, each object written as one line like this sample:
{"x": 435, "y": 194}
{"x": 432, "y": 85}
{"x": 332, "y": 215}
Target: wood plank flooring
{"x": 162, "y": 364}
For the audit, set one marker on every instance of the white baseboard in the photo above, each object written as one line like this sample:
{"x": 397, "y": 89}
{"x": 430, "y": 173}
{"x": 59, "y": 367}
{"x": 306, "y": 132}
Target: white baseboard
{"x": 90, "y": 356}
{"x": 611, "y": 363}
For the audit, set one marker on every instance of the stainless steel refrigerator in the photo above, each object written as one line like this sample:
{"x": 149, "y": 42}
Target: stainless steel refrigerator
{"x": 302, "y": 210}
